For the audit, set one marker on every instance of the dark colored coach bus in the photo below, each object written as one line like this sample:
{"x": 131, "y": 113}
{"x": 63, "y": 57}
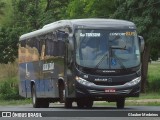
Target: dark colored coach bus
{"x": 81, "y": 60}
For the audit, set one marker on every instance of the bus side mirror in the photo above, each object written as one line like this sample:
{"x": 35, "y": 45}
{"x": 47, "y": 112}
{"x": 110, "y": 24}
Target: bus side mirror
{"x": 141, "y": 43}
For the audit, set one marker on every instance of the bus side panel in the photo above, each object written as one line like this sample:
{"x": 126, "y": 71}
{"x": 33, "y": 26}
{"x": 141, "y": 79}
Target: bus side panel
{"x": 51, "y": 76}
{"x": 32, "y": 69}
{"x": 22, "y": 80}
{"x": 49, "y": 79}
{"x": 53, "y": 66}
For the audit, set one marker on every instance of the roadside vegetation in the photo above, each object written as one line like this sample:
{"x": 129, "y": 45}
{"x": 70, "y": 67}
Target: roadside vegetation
{"x": 9, "y": 82}
{"x": 154, "y": 77}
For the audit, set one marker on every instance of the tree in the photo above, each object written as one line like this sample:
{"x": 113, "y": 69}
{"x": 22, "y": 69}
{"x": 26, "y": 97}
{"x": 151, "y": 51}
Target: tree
{"x": 28, "y": 15}
{"x": 145, "y": 14}
{"x": 89, "y": 8}
{"x": 53, "y": 10}
{"x": 8, "y": 46}
{"x": 2, "y": 5}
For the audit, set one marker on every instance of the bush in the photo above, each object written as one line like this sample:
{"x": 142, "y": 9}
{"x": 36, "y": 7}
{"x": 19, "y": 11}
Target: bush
{"x": 154, "y": 86}
{"x": 9, "y": 90}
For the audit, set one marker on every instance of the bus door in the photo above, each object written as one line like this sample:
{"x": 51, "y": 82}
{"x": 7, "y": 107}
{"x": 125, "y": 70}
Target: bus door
{"x": 69, "y": 68}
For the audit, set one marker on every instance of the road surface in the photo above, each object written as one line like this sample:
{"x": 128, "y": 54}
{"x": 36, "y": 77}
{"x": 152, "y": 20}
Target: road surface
{"x": 58, "y": 112}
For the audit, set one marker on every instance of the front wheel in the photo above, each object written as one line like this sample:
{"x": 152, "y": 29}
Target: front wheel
{"x": 68, "y": 103}
{"x": 89, "y": 104}
{"x": 84, "y": 103}
{"x": 120, "y": 103}
{"x": 80, "y": 104}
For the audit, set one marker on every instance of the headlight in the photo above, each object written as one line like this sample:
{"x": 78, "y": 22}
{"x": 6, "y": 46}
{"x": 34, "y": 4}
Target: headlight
{"x": 84, "y": 82}
{"x": 134, "y": 81}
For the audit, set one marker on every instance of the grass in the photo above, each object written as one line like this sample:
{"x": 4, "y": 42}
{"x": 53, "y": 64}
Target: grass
{"x": 154, "y": 71}
{"x": 146, "y": 96}
{"x": 15, "y": 102}
{"x": 128, "y": 104}
{"x": 8, "y": 71}
{"x": 138, "y": 101}
{"x": 154, "y": 77}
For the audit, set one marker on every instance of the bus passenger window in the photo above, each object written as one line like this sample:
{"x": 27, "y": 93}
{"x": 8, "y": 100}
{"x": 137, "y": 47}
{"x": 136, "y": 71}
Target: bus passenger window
{"x": 32, "y": 47}
{"x": 42, "y": 52}
{"x": 61, "y": 48}
{"x": 22, "y": 51}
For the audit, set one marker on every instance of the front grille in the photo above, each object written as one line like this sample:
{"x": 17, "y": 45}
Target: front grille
{"x": 103, "y": 92}
{"x": 109, "y": 83}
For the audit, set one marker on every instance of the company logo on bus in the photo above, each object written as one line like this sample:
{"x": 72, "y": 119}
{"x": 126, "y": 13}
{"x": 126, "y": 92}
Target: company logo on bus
{"x": 128, "y": 33}
{"x": 108, "y": 71}
{"x": 48, "y": 66}
{"x": 103, "y": 79}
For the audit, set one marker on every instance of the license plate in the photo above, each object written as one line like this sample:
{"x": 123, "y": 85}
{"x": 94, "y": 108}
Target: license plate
{"x": 110, "y": 90}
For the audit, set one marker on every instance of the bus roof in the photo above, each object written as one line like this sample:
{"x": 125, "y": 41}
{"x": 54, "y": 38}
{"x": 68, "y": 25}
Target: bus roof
{"x": 90, "y": 22}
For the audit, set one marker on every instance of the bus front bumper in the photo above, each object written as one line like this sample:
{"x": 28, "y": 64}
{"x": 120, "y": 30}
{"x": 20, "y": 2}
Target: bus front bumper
{"x": 88, "y": 89}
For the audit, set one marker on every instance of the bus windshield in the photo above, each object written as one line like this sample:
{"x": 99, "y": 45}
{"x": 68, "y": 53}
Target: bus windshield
{"x": 107, "y": 49}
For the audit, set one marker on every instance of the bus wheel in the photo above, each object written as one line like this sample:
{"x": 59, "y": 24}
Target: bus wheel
{"x": 44, "y": 103}
{"x": 89, "y": 104}
{"x": 120, "y": 103}
{"x": 68, "y": 103}
{"x": 80, "y": 104}
{"x": 35, "y": 101}
{"x": 61, "y": 93}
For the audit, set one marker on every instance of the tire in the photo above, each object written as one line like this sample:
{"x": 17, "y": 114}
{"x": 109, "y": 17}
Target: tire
{"x": 44, "y": 103}
{"x": 86, "y": 103}
{"x": 35, "y": 101}
{"x": 120, "y": 103}
{"x": 61, "y": 93}
{"x": 80, "y": 104}
{"x": 68, "y": 103}
{"x": 38, "y": 102}
{"x": 89, "y": 104}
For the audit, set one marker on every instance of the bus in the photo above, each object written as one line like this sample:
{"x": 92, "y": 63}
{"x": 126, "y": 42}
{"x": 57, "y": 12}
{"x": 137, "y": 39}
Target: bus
{"x": 82, "y": 61}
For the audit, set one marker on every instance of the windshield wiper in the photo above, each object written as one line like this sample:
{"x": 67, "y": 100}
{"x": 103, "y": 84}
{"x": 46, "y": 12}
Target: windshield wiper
{"x": 104, "y": 56}
{"x": 120, "y": 62}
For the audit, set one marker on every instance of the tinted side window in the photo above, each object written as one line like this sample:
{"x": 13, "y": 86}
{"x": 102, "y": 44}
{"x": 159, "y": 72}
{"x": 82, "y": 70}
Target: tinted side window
{"x": 32, "y": 53}
{"x": 54, "y": 47}
{"x": 50, "y": 43}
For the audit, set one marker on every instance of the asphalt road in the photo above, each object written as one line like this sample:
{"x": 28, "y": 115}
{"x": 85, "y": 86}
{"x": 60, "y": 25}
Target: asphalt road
{"x": 58, "y": 112}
